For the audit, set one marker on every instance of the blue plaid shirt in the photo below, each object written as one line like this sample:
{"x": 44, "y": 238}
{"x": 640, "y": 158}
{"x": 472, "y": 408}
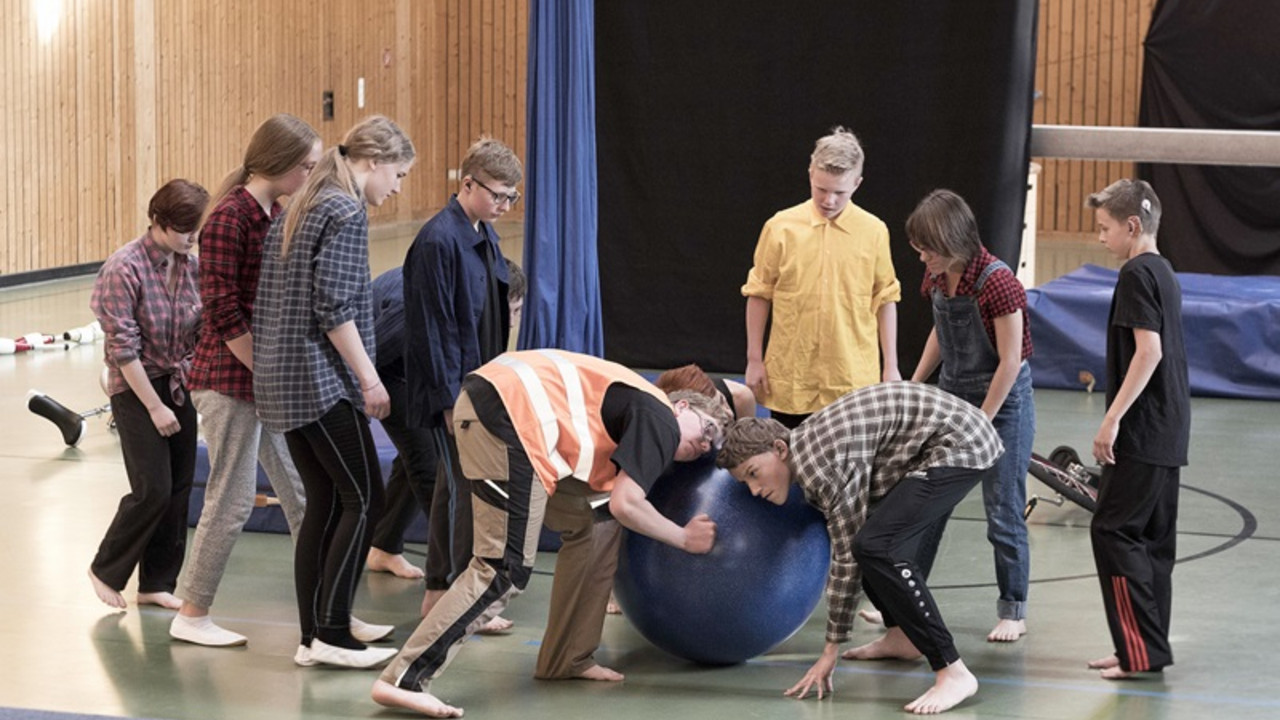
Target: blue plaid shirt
{"x": 322, "y": 283}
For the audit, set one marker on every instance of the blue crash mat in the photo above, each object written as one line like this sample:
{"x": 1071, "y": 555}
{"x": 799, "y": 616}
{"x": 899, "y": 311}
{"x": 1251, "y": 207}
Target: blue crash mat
{"x": 1231, "y": 327}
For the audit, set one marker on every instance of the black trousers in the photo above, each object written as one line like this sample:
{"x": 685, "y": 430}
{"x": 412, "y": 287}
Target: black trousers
{"x": 789, "y": 421}
{"x": 338, "y": 464}
{"x": 450, "y": 529}
{"x": 413, "y": 473}
{"x": 887, "y": 547}
{"x": 149, "y": 530}
{"x": 1134, "y": 533}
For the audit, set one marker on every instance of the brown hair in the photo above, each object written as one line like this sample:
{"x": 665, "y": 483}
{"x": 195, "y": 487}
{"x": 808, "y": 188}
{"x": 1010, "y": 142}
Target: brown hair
{"x": 279, "y": 145}
{"x": 749, "y": 437}
{"x": 1124, "y": 199}
{"x": 713, "y": 408}
{"x": 943, "y": 223}
{"x": 374, "y": 138}
{"x": 516, "y": 282}
{"x": 686, "y": 377}
{"x": 178, "y": 205}
{"x": 494, "y": 159}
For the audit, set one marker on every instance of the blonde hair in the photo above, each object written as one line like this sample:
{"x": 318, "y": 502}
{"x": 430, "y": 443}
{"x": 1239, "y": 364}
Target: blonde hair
{"x": 375, "y": 138}
{"x": 837, "y": 153}
{"x": 279, "y": 145}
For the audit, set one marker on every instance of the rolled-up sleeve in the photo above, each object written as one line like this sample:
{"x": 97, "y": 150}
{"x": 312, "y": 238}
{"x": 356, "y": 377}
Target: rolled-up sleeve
{"x": 763, "y": 275}
{"x": 886, "y": 287}
{"x": 114, "y": 302}
{"x": 222, "y": 243}
{"x": 341, "y": 261}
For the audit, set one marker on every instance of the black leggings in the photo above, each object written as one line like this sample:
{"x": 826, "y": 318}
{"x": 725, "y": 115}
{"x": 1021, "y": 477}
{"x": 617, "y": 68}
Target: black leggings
{"x": 336, "y": 458}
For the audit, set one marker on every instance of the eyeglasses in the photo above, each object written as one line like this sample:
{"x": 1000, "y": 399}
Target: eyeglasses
{"x": 710, "y": 432}
{"x": 498, "y": 197}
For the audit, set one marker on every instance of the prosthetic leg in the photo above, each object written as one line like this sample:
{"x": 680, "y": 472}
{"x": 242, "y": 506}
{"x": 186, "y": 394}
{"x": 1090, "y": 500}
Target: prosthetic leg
{"x": 71, "y": 423}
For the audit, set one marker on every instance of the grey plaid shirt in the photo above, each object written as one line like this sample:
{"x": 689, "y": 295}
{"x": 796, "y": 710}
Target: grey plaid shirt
{"x": 298, "y": 374}
{"x": 854, "y": 451}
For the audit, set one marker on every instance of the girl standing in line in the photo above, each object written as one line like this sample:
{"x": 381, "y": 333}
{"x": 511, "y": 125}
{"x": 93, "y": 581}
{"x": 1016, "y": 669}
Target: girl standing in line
{"x": 315, "y": 378}
{"x": 148, "y": 303}
{"x": 280, "y": 157}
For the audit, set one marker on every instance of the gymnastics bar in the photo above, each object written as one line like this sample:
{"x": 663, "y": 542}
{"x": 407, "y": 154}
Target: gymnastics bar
{"x": 1157, "y": 145}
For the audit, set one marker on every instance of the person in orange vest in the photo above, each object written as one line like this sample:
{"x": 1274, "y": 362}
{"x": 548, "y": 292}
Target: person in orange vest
{"x": 540, "y": 433}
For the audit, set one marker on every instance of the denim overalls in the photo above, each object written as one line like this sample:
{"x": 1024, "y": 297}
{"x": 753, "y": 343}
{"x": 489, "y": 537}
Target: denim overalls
{"x": 969, "y": 361}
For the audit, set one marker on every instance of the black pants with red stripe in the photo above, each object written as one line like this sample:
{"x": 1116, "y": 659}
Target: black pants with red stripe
{"x": 1134, "y": 533}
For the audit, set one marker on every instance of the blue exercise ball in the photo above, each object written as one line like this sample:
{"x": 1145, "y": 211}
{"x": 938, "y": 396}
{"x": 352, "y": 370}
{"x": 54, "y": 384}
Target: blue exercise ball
{"x": 756, "y": 587}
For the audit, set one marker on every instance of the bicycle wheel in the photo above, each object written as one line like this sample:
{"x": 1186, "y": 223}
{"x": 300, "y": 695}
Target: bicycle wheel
{"x": 1064, "y": 455}
{"x": 1062, "y": 482}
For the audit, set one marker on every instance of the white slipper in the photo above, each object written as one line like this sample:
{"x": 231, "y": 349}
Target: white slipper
{"x": 203, "y": 631}
{"x": 323, "y": 652}
{"x": 368, "y": 632}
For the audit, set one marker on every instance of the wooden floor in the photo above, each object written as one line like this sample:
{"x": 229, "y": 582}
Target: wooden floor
{"x": 65, "y": 651}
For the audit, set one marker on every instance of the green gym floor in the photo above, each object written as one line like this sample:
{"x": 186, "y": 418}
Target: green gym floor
{"x": 65, "y": 652}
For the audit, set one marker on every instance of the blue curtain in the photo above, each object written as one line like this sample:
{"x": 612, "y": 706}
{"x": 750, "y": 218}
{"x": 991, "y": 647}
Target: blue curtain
{"x": 562, "y": 307}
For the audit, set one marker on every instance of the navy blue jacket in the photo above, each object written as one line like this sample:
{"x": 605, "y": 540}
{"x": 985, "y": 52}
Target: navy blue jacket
{"x": 445, "y": 287}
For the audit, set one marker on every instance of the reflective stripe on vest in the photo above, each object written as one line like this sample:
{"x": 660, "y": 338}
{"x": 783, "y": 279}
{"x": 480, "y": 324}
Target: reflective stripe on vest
{"x": 554, "y": 399}
{"x": 546, "y": 413}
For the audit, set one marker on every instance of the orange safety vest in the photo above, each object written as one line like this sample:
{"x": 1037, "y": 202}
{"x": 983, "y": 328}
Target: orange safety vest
{"x": 554, "y": 399}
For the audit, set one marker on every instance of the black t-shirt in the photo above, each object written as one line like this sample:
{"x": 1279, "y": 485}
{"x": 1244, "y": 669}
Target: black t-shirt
{"x": 643, "y": 427}
{"x": 493, "y": 332}
{"x": 1157, "y": 428}
{"x": 722, "y": 387}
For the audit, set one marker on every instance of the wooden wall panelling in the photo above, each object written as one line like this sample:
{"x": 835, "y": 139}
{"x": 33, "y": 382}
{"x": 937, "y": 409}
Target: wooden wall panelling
{"x": 1089, "y": 73}
{"x": 130, "y": 93}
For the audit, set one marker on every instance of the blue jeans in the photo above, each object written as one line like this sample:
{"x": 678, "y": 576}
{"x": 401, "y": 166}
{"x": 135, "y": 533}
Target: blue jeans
{"x": 1004, "y": 497}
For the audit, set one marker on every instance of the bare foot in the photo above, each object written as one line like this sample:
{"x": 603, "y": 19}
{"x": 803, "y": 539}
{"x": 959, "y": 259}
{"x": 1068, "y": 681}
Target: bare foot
{"x": 954, "y": 683}
{"x": 1007, "y": 631}
{"x": 388, "y": 695}
{"x": 106, "y": 593}
{"x": 1105, "y": 663}
{"x": 497, "y": 626}
{"x": 396, "y": 564}
{"x": 600, "y": 672}
{"x": 429, "y": 600}
{"x": 163, "y": 599}
{"x": 613, "y": 608}
{"x": 875, "y": 617}
{"x": 1115, "y": 673}
{"x": 893, "y": 645}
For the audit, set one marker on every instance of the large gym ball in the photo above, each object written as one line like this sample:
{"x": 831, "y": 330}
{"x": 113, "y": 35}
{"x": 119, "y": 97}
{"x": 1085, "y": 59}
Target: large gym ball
{"x": 756, "y": 587}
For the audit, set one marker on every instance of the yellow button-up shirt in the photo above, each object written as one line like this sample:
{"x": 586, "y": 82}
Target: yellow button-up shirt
{"x": 826, "y": 280}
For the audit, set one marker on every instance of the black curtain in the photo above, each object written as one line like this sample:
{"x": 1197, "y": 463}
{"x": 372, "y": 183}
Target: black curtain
{"x": 1215, "y": 64}
{"x": 707, "y": 113}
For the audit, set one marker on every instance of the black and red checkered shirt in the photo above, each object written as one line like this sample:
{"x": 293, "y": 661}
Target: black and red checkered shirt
{"x": 230, "y": 263}
{"x": 1001, "y": 295}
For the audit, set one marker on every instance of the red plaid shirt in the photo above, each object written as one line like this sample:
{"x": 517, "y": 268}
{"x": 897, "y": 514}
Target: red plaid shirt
{"x": 230, "y": 263}
{"x": 142, "y": 319}
{"x": 1002, "y": 295}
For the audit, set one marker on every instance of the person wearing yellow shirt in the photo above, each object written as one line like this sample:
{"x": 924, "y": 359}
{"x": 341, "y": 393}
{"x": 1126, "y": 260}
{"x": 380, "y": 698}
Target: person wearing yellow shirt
{"x": 824, "y": 273}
